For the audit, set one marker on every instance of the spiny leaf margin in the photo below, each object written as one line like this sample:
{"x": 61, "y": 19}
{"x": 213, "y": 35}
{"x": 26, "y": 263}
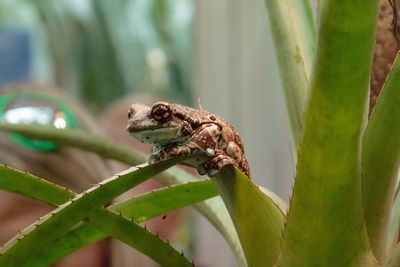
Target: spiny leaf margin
{"x": 18, "y": 250}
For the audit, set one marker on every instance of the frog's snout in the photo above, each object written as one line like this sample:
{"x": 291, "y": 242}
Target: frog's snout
{"x": 138, "y": 118}
{"x": 136, "y": 109}
{"x": 131, "y": 112}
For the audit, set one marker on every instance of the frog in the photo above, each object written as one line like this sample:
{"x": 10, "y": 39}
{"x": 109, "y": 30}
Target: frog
{"x": 177, "y": 130}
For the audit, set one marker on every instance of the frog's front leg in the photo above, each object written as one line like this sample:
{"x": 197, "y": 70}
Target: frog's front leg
{"x": 204, "y": 140}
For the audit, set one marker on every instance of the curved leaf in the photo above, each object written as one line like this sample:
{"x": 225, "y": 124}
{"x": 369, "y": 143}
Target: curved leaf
{"x": 381, "y": 159}
{"x": 258, "y": 220}
{"x": 293, "y": 29}
{"x": 327, "y": 194}
{"x": 18, "y": 250}
{"x": 13, "y": 180}
{"x": 138, "y": 238}
{"x": 139, "y": 209}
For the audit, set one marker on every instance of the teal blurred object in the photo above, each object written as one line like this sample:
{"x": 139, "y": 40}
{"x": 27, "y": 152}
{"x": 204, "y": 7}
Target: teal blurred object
{"x": 30, "y": 107}
{"x": 101, "y": 50}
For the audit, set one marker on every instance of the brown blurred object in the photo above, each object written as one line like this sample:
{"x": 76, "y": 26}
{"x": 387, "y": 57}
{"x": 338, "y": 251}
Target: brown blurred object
{"x": 386, "y": 49}
{"x": 72, "y": 168}
{"x": 114, "y": 121}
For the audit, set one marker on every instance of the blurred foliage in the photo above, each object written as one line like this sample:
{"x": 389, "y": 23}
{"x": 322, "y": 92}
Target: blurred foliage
{"x": 100, "y": 50}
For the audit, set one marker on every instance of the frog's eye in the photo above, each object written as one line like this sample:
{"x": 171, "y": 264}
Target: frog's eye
{"x": 161, "y": 112}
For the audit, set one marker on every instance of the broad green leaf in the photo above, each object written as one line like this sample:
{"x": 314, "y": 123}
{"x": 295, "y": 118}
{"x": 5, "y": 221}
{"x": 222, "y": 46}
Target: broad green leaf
{"x": 34, "y": 187}
{"x": 258, "y": 220}
{"x": 32, "y": 239}
{"x": 380, "y": 162}
{"x": 212, "y": 209}
{"x": 325, "y": 224}
{"x": 293, "y": 29}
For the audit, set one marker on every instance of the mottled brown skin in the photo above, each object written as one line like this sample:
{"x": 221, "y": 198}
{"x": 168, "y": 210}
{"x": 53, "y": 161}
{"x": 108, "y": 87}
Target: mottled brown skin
{"x": 179, "y": 130}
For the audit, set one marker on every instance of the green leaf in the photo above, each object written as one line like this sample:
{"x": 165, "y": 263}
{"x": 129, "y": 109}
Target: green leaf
{"x": 139, "y": 209}
{"x": 258, "y": 220}
{"x": 381, "y": 158}
{"x": 215, "y": 212}
{"x": 18, "y": 250}
{"x": 293, "y": 29}
{"x": 13, "y": 180}
{"x": 150, "y": 205}
{"x": 137, "y": 237}
{"x": 326, "y": 217}
{"x": 82, "y": 235}
{"x": 212, "y": 209}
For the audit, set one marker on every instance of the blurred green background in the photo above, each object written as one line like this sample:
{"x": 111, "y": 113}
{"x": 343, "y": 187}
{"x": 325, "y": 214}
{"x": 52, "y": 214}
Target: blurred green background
{"x": 101, "y": 50}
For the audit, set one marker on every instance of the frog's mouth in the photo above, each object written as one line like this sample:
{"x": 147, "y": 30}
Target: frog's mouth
{"x": 154, "y": 135}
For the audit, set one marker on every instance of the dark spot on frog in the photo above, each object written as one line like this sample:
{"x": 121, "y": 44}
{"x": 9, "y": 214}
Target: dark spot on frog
{"x": 180, "y": 116}
{"x": 212, "y": 117}
{"x": 147, "y": 137}
{"x": 164, "y": 217}
{"x": 195, "y": 124}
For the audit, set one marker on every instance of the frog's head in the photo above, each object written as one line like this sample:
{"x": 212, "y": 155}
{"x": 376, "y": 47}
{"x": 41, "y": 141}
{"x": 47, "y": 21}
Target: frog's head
{"x": 156, "y": 124}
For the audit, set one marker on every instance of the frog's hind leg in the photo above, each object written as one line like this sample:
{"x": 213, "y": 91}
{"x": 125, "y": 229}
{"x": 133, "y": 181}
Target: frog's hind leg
{"x": 215, "y": 164}
{"x": 232, "y": 155}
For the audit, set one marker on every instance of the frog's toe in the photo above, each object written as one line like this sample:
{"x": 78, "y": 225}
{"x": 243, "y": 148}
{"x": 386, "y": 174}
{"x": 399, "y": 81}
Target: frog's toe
{"x": 154, "y": 159}
{"x": 224, "y": 162}
{"x": 212, "y": 172}
{"x": 201, "y": 169}
{"x": 218, "y": 162}
{"x": 215, "y": 164}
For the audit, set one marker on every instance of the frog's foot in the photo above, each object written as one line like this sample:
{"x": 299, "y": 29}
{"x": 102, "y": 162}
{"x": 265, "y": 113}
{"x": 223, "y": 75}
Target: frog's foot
{"x": 154, "y": 158}
{"x": 215, "y": 164}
